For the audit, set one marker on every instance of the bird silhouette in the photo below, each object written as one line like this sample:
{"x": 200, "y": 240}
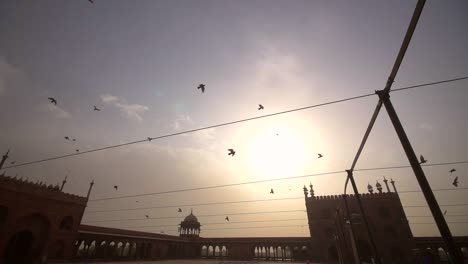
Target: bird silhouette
{"x": 149, "y": 139}
{"x": 13, "y": 162}
{"x": 74, "y": 139}
{"x": 271, "y": 191}
{"x": 455, "y": 182}
{"x": 320, "y": 155}
{"x": 147, "y": 216}
{"x": 202, "y": 87}
{"x": 445, "y": 212}
{"x": 96, "y": 109}
{"x": 180, "y": 210}
{"x": 162, "y": 232}
{"x": 137, "y": 201}
{"x": 227, "y": 218}
{"x": 422, "y": 160}
{"x": 77, "y": 150}
{"x": 91, "y": 1}
{"x": 116, "y": 187}
{"x": 67, "y": 138}
{"x": 231, "y": 152}
{"x": 260, "y": 107}
{"x": 52, "y": 100}
{"x": 453, "y": 170}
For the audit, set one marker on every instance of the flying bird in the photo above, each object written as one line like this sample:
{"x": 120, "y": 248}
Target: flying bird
{"x": 320, "y": 155}
{"x": 52, "y": 100}
{"x": 162, "y": 232}
{"x": 67, "y": 138}
{"x": 422, "y": 160}
{"x": 116, "y": 187}
{"x": 96, "y": 109}
{"x": 227, "y": 218}
{"x": 13, "y": 162}
{"x": 147, "y": 216}
{"x": 271, "y": 191}
{"x": 231, "y": 152}
{"x": 74, "y": 139}
{"x": 149, "y": 139}
{"x": 260, "y": 107}
{"x": 455, "y": 182}
{"x": 77, "y": 150}
{"x": 180, "y": 210}
{"x": 202, "y": 87}
{"x": 137, "y": 201}
{"x": 453, "y": 170}
{"x": 91, "y": 1}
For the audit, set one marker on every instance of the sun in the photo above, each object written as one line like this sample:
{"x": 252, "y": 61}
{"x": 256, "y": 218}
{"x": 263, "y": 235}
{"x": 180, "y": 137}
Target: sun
{"x": 277, "y": 154}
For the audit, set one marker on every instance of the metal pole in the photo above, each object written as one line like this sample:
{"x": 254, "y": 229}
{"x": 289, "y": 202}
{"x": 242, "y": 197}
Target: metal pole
{"x": 353, "y": 240}
{"x": 4, "y": 158}
{"x": 455, "y": 255}
{"x": 364, "y": 217}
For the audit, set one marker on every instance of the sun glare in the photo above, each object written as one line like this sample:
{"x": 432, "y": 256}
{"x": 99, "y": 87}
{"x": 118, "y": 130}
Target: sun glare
{"x": 274, "y": 155}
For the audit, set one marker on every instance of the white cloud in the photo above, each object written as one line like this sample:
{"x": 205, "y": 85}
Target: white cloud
{"x": 426, "y": 126}
{"x": 56, "y": 110}
{"x": 7, "y": 71}
{"x": 181, "y": 121}
{"x": 130, "y": 111}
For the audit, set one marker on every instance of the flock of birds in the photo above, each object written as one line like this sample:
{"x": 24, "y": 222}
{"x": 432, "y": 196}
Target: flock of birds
{"x": 422, "y": 160}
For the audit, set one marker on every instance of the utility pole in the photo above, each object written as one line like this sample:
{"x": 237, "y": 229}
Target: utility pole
{"x": 455, "y": 255}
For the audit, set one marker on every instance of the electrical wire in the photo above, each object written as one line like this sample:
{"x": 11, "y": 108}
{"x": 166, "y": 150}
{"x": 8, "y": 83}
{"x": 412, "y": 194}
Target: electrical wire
{"x": 225, "y": 124}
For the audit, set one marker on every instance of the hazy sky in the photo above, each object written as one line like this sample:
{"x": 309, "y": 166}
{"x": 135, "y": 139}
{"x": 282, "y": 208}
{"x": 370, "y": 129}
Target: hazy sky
{"x": 141, "y": 61}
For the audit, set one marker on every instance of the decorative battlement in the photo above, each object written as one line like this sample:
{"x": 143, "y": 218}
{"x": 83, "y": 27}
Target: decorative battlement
{"x": 362, "y": 195}
{"x": 39, "y": 188}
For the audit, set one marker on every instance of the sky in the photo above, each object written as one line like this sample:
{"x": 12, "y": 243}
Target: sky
{"x": 141, "y": 61}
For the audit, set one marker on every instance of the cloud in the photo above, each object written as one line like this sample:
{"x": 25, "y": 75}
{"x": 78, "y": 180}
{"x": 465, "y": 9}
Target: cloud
{"x": 181, "y": 121}
{"x": 426, "y": 126}
{"x": 7, "y": 71}
{"x": 130, "y": 111}
{"x": 56, "y": 110}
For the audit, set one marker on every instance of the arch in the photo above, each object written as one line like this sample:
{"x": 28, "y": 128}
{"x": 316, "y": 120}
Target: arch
{"x": 464, "y": 251}
{"x": 442, "y": 254}
{"x": 126, "y": 250}
{"x": 217, "y": 251}
{"x": 133, "y": 249}
{"x": 332, "y": 254}
{"x": 210, "y": 251}
{"x": 66, "y": 223}
{"x": 224, "y": 252}
{"x": 280, "y": 252}
{"x": 204, "y": 251}
{"x": 3, "y": 215}
{"x": 119, "y": 249}
{"x": 28, "y": 239}
{"x": 287, "y": 252}
{"x": 91, "y": 249}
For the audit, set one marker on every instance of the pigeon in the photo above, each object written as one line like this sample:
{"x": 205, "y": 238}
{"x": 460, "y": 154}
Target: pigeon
{"x": 13, "y": 162}
{"x": 453, "y": 170}
{"x": 74, "y": 139}
{"x": 445, "y": 212}
{"x": 67, "y": 138}
{"x": 260, "y": 107}
{"x": 320, "y": 155}
{"x": 147, "y": 216}
{"x": 422, "y": 160}
{"x": 231, "y": 152}
{"x": 91, "y": 1}
{"x": 227, "y": 218}
{"x": 149, "y": 139}
{"x": 271, "y": 191}
{"x": 96, "y": 109}
{"x": 455, "y": 182}
{"x": 77, "y": 150}
{"x": 202, "y": 87}
{"x": 180, "y": 210}
{"x": 137, "y": 201}
{"x": 52, "y": 100}
{"x": 116, "y": 187}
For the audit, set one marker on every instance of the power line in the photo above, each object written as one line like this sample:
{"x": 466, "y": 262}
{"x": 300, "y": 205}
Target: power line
{"x": 450, "y": 222}
{"x": 193, "y": 205}
{"x": 225, "y": 223}
{"x": 208, "y": 215}
{"x": 226, "y": 124}
{"x": 460, "y": 204}
{"x": 435, "y": 190}
{"x": 422, "y": 216}
{"x": 268, "y": 180}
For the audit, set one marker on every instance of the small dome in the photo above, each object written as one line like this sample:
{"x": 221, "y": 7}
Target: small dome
{"x": 191, "y": 218}
{"x": 378, "y": 185}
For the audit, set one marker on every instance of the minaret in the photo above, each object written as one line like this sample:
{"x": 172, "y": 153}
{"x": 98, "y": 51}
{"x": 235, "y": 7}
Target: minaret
{"x": 63, "y": 183}
{"x": 386, "y": 183}
{"x": 393, "y": 183}
{"x": 306, "y": 192}
{"x": 378, "y": 186}
{"x": 370, "y": 188}
{"x": 4, "y": 158}
{"x": 312, "y": 193}
{"x": 89, "y": 190}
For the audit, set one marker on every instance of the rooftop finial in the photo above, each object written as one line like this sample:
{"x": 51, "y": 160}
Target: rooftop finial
{"x": 312, "y": 193}
{"x": 306, "y": 192}
{"x": 370, "y": 188}
{"x": 378, "y": 186}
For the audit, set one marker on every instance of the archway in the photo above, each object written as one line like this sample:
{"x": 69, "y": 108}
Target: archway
{"x": 19, "y": 249}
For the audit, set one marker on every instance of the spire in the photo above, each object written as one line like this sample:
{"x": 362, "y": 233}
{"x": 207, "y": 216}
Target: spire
{"x": 393, "y": 183}
{"x": 386, "y": 183}
{"x": 306, "y": 192}
{"x": 191, "y": 211}
{"x": 63, "y": 183}
{"x": 370, "y": 188}
{"x": 378, "y": 186}
{"x": 312, "y": 193}
{"x": 4, "y": 158}
{"x": 89, "y": 190}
